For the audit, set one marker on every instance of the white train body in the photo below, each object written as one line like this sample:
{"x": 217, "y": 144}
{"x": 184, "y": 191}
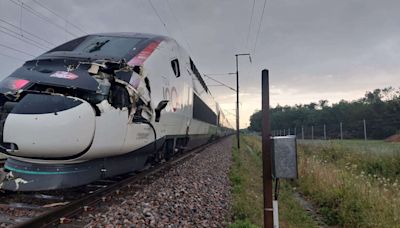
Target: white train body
{"x": 68, "y": 113}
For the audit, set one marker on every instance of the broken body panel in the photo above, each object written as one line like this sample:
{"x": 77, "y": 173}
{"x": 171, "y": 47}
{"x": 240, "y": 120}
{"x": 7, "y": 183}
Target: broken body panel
{"x": 85, "y": 110}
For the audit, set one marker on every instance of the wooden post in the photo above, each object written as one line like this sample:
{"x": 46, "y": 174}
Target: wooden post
{"x": 266, "y": 155}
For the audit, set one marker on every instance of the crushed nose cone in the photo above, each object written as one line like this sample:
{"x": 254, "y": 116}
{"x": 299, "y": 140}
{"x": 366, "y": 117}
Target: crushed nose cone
{"x": 50, "y": 126}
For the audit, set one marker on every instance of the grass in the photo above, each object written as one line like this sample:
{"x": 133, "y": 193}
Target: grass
{"x": 246, "y": 179}
{"x": 377, "y": 158}
{"x": 355, "y": 183}
{"x": 245, "y": 176}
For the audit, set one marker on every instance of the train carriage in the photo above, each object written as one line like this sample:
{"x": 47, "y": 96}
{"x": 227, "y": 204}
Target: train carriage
{"x": 102, "y": 105}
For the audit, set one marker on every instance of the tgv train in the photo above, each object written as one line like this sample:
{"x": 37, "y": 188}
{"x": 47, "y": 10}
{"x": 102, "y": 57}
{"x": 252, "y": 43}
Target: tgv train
{"x": 99, "y": 106}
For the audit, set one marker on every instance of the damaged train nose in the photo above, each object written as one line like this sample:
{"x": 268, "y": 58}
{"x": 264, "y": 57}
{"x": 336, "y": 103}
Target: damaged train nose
{"x": 48, "y": 126}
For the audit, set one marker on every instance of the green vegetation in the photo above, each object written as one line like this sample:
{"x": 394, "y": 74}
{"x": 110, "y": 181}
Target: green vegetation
{"x": 377, "y": 158}
{"x": 246, "y": 182}
{"x": 380, "y": 109}
{"x": 354, "y": 183}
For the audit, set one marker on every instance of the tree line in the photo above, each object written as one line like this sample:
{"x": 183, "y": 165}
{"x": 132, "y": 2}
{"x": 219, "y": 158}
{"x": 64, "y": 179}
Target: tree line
{"x": 380, "y": 109}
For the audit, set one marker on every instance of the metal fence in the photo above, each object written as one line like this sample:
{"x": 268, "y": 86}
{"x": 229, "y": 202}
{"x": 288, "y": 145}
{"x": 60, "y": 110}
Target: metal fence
{"x": 362, "y": 129}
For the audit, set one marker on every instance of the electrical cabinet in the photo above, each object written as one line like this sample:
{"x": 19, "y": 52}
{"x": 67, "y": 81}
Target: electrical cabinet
{"x": 284, "y": 157}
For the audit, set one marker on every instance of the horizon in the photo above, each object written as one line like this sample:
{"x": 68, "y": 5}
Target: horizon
{"x": 314, "y": 50}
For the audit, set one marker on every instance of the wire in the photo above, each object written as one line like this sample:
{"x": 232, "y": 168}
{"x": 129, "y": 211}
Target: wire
{"x": 22, "y": 38}
{"x": 41, "y": 16}
{"x": 60, "y": 16}
{"x": 179, "y": 26}
{"x": 251, "y": 22}
{"x": 221, "y": 74}
{"x": 17, "y": 50}
{"x": 229, "y": 112}
{"x": 27, "y": 32}
{"x": 20, "y": 17}
{"x": 259, "y": 28}
{"x": 220, "y": 82}
{"x": 12, "y": 57}
{"x": 159, "y": 17}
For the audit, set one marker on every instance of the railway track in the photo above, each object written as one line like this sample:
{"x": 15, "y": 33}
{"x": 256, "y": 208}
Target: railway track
{"x": 54, "y": 208}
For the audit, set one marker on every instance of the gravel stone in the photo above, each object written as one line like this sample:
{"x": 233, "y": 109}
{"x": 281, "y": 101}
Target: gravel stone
{"x": 194, "y": 193}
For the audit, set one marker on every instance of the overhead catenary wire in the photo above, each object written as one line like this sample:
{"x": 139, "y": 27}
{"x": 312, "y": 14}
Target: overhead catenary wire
{"x": 60, "y": 16}
{"x": 259, "y": 28}
{"x": 27, "y": 32}
{"x": 22, "y": 38}
{"x": 159, "y": 17}
{"x": 15, "y": 49}
{"x": 179, "y": 27}
{"x": 250, "y": 23}
{"x": 221, "y": 74}
{"x": 40, "y": 15}
{"x": 12, "y": 57}
{"x": 219, "y": 82}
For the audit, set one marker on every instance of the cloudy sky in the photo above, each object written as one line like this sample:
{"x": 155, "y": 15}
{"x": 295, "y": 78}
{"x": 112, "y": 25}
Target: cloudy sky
{"x": 314, "y": 49}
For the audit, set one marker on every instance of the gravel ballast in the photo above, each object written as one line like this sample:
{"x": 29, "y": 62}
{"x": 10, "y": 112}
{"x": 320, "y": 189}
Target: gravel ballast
{"x": 195, "y": 193}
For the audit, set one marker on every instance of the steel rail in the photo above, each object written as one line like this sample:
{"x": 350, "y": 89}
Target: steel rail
{"x": 62, "y": 214}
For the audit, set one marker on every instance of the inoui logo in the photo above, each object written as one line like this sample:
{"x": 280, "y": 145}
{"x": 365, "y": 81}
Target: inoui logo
{"x": 172, "y": 96}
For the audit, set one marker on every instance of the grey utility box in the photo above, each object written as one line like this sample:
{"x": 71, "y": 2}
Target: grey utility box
{"x": 284, "y": 157}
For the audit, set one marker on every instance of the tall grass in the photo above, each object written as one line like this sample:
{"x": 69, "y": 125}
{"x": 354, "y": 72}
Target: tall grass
{"x": 245, "y": 176}
{"x": 246, "y": 179}
{"x": 371, "y": 157}
{"x": 353, "y": 186}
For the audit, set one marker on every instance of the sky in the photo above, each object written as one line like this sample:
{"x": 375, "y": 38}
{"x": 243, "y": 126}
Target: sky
{"x": 314, "y": 49}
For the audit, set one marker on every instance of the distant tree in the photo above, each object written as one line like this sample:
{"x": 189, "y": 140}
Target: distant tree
{"x": 311, "y": 106}
{"x": 380, "y": 108}
{"x": 256, "y": 121}
{"x": 323, "y": 103}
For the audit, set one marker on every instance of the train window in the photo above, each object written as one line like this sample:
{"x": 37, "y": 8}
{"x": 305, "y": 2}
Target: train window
{"x": 175, "y": 67}
{"x": 202, "y": 112}
{"x": 41, "y": 104}
{"x": 198, "y": 76}
{"x": 97, "y": 45}
{"x": 69, "y": 46}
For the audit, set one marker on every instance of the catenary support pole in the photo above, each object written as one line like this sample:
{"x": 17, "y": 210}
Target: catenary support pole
{"x": 365, "y": 130}
{"x": 237, "y": 97}
{"x": 266, "y": 155}
{"x": 312, "y": 132}
{"x": 295, "y": 131}
{"x": 341, "y": 131}
{"x": 302, "y": 132}
{"x": 237, "y": 103}
{"x": 289, "y": 131}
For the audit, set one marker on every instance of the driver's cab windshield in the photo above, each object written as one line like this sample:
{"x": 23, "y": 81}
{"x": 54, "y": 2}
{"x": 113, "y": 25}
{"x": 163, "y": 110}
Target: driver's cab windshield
{"x": 110, "y": 46}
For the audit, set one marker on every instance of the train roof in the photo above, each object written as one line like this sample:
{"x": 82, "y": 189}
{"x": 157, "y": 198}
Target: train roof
{"x": 131, "y": 34}
{"x": 51, "y": 67}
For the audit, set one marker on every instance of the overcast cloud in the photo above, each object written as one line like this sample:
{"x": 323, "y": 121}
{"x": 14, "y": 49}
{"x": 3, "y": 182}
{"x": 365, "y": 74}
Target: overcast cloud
{"x": 315, "y": 49}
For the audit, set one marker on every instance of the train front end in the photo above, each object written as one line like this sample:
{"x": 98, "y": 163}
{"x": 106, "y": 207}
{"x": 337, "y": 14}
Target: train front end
{"x": 51, "y": 108}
